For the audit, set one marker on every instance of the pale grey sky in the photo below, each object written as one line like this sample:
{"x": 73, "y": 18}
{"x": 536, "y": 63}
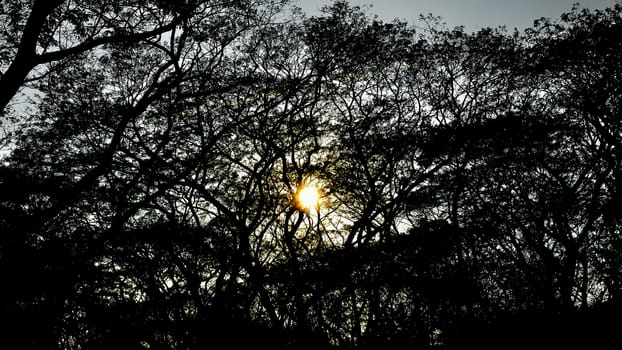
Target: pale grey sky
{"x": 473, "y": 14}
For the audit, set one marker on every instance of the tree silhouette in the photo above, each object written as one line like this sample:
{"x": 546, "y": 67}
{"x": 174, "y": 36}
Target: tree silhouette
{"x": 467, "y": 183}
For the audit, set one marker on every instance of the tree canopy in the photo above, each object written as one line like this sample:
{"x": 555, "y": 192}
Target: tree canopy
{"x": 464, "y": 187}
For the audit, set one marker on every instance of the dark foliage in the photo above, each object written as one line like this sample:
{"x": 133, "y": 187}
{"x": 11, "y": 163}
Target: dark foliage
{"x": 469, "y": 183}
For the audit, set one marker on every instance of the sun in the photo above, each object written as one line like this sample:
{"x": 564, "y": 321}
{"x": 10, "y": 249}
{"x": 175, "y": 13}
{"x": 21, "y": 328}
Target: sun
{"x": 308, "y": 197}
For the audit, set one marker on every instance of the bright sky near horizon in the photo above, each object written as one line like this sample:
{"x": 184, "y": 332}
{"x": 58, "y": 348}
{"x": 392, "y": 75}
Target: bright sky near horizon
{"x": 473, "y": 14}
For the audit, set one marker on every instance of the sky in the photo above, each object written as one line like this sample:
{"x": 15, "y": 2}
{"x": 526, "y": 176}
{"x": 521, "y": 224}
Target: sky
{"x": 473, "y": 14}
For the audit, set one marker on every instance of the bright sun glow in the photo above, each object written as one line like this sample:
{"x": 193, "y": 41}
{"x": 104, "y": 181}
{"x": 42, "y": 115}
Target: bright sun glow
{"x": 308, "y": 197}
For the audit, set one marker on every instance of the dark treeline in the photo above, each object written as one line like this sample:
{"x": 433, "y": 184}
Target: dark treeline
{"x": 470, "y": 183}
